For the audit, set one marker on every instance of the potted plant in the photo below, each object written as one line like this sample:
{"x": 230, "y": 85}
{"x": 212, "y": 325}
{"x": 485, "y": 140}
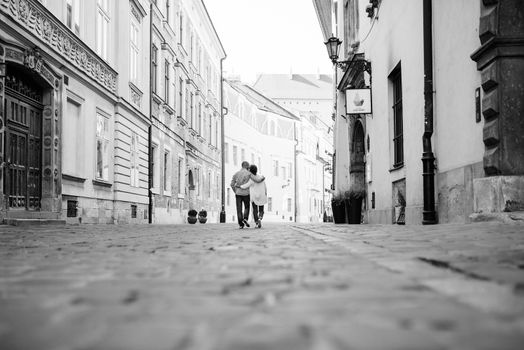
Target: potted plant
{"x": 338, "y": 206}
{"x": 192, "y": 216}
{"x": 202, "y": 216}
{"x": 356, "y": 196}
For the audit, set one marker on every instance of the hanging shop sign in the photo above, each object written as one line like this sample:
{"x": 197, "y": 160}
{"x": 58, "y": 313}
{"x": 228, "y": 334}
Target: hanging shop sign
{"x": 358, "y": 101}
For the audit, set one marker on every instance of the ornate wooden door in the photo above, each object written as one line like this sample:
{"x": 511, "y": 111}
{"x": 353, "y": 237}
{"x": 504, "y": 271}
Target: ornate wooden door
{"x": 23, "y": 152}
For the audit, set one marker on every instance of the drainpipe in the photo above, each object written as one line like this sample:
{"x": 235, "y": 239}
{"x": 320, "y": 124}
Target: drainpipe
{"x": 222, "y": 141}
{"x": 429, "y": 215}
{"x": 150, "y": 129}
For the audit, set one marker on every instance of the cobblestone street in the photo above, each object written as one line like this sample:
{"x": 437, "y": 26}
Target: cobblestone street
{"x": 318, "y": 286}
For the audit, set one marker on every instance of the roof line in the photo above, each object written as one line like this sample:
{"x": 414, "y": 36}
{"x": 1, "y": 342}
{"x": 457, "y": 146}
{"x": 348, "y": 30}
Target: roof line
{"x": 214, "y": 29}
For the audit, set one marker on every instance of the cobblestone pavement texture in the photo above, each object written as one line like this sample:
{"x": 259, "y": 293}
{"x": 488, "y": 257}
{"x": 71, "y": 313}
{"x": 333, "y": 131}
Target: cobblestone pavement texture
{"x": 318, "y": 286}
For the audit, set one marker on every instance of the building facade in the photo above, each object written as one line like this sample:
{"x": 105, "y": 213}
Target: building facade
{"x": 186, "y": 56}
{"x": 78, "y": 129}
{"x": 444, "y": 141}
{"x": 259, "y": 131}
{"x": 309, "y": 96}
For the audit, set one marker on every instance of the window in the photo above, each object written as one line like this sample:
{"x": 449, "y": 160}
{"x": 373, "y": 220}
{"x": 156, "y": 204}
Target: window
{"x": 289, "y": 202}
{"x": 102, "y": 25}
{"x": 188, "y": 117}
{"x": 193, "y": 126}
{"x": 165, "y": 172}
{"x": 243, "y": 154}
{"x": 199, "y": 121}
{"x": 180, "y": 96}
{"x": 73, "y": 15}
{"x": 217, "y": 186}
{"x": 226, "y": 152}
{"x": 166, "y": 81}
{"x": 210, "y": 136}
{"x": 180, "y": 174}
{"x": 134, "y": 168}
{"x": 209, "y": 184}
{"x": 197, "y": 181}
{"x": 217, "y": 130}
{"x": 154, "y": 163}
{"x": 252, "y": 158}
{"x": 73, "y": 148}
{"x": 275, "y": 167}
{"x": 154, "y": 65}
{"x": 235, "y": 155}
{"x": 259, "y": 165}
{"x": 133, "y": 211}
{"x": 134, "y": 51}
{"x": 398, "y": 138}
{"x": 283, "y": 171}
{"x": 289, "y": 167}
{"x": 102, "y": 147}
{"x": 228, "y": 199}
{"x": 181, "y": 29}
{"x": 269, "y": 204}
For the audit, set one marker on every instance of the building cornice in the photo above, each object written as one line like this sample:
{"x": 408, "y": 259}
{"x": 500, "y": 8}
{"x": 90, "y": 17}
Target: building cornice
{"x": 34, "y": 18}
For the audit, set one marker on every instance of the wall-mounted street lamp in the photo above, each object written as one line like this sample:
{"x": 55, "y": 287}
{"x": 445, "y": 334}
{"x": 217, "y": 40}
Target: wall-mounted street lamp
{"x": 333, "y": 48}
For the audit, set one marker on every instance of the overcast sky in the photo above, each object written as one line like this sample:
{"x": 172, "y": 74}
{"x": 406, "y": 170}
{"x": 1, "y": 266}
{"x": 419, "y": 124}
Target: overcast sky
{"x": 269, "y": 36}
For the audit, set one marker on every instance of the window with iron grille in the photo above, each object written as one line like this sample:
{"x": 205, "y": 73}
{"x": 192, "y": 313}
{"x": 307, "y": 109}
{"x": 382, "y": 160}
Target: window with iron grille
{"x": 133, "y": 211}
{"x": 398, "y": 137}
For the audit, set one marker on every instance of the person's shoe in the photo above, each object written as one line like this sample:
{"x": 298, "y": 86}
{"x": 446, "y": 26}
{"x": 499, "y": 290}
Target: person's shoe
{"x": 246, "y": 223}
{"x": 260, "y": 216}
{"x": 259, "y": 224}
{"x": 241, "y": 226}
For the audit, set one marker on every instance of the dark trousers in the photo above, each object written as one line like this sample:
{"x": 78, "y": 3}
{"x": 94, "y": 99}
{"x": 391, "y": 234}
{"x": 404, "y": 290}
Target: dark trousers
{"x": 258, "y": 210}
{"x": 242, "y": 200}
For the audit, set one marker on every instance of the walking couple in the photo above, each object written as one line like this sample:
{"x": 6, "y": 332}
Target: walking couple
{"x": 248, "y": 186}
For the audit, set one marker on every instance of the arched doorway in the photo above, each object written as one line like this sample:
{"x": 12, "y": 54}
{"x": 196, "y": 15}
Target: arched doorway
{"x": 30, "y": 179}
{"x": 190, "y": 181}
{"x": 23, "y": 139}
{"x": 357, "y": 173}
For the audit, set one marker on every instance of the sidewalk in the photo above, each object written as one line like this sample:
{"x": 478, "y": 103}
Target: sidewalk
{"x": 318, "y": 286}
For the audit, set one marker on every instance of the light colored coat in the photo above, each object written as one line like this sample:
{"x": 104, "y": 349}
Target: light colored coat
{"x": 257, "y": 191}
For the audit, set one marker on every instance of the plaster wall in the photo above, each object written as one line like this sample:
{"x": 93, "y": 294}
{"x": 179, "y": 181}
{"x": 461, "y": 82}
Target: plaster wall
{"x": 389, "y": 43}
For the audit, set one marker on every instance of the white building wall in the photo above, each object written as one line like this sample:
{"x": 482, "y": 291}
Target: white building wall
{"x": 266, "y": 148}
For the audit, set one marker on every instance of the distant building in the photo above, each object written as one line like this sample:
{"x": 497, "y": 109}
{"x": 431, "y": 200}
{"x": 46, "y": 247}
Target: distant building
{"x": 445, "y": 138}
{"x": 310, "y": 97}
{"x": 259, "y": 131}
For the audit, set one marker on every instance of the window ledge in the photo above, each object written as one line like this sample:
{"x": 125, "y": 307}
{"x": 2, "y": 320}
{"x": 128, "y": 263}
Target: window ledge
{"x": 181, "y": 196}
{"x": 73, "y": 178}
{"x": 181, "y": 120}
{"x": 167, "y": 193}
{"x": 397, "y": 167}
{"x": 102, "y": 183}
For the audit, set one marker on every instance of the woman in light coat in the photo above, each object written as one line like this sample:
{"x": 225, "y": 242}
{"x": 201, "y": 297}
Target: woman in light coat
{"x": 258, "y": 195}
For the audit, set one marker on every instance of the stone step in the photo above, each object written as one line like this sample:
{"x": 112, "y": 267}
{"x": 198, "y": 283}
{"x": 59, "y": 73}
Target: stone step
{"x": 513, "y": 217}
{"x": 33, "y": 222}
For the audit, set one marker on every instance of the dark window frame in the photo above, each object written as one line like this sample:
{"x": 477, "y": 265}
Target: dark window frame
{"x": 398, "y": 117}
